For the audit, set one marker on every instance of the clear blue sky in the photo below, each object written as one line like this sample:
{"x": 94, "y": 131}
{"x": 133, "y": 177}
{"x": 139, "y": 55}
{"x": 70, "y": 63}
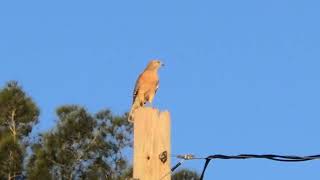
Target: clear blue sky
{"x": 240, "y": 76}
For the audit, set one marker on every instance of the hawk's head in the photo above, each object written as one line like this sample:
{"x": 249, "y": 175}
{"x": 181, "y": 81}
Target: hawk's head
{"x": 154, "y": 65}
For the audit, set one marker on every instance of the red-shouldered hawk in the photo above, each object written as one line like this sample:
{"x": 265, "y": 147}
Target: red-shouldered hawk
{"x": 146, "y": 87}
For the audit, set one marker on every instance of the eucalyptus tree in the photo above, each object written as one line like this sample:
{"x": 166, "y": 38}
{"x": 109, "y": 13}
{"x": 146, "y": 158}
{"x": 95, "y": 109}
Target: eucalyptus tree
{"x": 18, "y": 114}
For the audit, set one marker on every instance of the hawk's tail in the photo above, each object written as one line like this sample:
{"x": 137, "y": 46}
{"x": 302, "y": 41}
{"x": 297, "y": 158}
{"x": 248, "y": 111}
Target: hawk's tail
{"x": 134, "y": 107}
{"x": 130, "y": 117}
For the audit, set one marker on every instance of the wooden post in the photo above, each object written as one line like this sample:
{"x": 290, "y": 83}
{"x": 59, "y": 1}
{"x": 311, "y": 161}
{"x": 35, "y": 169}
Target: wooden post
{"x": 151, "y": 144}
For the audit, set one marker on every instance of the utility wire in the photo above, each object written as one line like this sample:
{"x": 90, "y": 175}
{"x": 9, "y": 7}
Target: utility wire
{"x": 272, "y": 157}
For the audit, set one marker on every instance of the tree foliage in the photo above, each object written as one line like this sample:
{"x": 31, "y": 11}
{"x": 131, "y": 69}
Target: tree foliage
{"x": 82, "y": 146}
{"x": 18, "y": 113}
{"x": 185, "y": 174}
{"x": 11, "y": 158}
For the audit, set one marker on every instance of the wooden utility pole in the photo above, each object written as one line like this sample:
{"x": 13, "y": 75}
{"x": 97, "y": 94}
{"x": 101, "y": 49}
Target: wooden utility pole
{"x": 151, "y": 144}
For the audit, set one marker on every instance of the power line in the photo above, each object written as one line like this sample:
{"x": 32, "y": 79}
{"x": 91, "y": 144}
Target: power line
{"x": 272, "y": 157}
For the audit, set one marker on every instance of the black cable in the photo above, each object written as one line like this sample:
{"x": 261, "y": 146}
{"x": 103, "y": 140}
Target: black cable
{"x": 267, "y": 156}
{"x": 205, "y": 168}
{"x": 272, "y": 157}
{"x": 176, "y": 166}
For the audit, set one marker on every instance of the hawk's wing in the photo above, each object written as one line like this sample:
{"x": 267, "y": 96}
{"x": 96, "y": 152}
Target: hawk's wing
{"x": 157, "y": 87}
{"x": 136, "y": 89}
{"x": 146, "y": 82}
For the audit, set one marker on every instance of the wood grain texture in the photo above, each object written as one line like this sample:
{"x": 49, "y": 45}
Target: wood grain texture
{"x": 151, "y": 138}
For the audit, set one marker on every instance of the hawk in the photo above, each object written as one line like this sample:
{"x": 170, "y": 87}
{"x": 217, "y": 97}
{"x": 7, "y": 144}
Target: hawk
{"x": 146, "y": 87}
